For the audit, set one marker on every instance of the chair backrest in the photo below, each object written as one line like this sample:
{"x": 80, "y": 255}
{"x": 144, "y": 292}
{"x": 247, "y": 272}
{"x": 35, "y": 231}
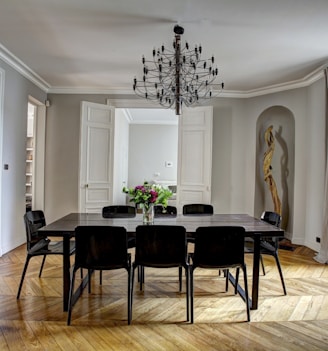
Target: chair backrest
{"x": 119, "y": 211}
{"x": 101, "y": 247}
{"x": 161, "y": 246}
{"x": 197, "y": 209}
{"x": 33, "y": 221}
{"x": 272, "y": 218}
{"x": 168, "y": 211}
{"x": 219, "y": 246}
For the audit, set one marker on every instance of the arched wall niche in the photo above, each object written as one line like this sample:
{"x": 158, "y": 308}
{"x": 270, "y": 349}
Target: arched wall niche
{"x": 283, "y": 122}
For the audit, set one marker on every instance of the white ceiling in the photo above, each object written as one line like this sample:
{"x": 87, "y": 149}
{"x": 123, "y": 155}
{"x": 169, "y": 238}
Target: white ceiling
{"x": 97, "y": 45}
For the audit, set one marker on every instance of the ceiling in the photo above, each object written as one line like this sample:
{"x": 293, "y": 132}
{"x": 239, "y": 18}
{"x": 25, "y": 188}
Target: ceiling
{"x": 97, "y": 45}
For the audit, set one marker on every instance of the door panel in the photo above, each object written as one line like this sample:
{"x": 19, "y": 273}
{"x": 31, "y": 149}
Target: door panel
{"x": 195, "y": 156}
{"x": 96, "y": 157}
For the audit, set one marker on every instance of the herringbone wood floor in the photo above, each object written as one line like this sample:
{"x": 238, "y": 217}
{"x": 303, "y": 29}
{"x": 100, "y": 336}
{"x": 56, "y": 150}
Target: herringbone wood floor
{"x": 298, "y": 321}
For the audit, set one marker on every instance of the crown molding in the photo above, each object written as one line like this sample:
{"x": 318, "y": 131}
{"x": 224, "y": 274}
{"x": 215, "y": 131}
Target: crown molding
{"x": 28, "y": 73}
{"x": 23, "y": 69}
{"x": 299, "y": 83}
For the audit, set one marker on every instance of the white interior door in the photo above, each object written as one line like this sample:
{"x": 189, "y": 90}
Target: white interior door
{"x": 195, "y": 156}
{"x": 96, "y": 157}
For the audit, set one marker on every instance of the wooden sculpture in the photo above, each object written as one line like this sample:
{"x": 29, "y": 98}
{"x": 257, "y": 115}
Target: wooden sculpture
{"x": 267, "y": 169}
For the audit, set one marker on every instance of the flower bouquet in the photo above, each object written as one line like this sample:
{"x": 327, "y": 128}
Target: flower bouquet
{"x": 148, "y": 195}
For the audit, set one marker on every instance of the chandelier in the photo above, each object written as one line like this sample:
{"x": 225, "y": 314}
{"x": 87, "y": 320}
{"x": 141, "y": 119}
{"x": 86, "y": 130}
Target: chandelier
{"x": 179, "y": 76}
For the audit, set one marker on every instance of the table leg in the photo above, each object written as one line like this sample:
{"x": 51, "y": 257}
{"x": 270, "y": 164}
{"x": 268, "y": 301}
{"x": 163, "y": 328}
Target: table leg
{"x": 256, "y": 272}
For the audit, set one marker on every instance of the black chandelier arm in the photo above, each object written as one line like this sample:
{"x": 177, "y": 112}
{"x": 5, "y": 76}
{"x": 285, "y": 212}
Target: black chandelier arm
{"x": 179, "y": 76}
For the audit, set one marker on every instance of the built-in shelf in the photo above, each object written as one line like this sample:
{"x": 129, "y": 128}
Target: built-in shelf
{"x": 29, "y": 171}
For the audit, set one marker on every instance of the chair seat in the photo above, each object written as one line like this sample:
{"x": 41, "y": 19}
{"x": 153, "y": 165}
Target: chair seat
{"x": 46, "y": 247}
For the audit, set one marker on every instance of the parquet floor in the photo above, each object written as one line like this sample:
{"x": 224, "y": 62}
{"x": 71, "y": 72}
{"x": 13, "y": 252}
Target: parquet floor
{"x": 298, "y": 321}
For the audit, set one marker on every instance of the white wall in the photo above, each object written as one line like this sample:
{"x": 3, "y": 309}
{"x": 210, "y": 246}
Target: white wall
{"x": 150, "y": 147}
{"x": 314, "y": 165}
{"x": 17, "y": 90}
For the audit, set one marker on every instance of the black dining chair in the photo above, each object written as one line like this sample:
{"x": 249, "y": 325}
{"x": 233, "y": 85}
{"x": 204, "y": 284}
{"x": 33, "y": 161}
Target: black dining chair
{"x": 197, "y": 209}
{"x": 161, "y": 246}
{"x": 166, "y": 212}
{"x": 39, "y": 245}
{"x": 219, "y": 247}
{"x": 118, "y": 211}
{"x": 269, "y": 246}
{"x": 100, "y": 248}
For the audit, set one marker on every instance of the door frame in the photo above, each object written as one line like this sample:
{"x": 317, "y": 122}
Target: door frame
{"x": 2, "y": 92}
{"x": 39, "y": 153}
{"x": 130, "y": 103}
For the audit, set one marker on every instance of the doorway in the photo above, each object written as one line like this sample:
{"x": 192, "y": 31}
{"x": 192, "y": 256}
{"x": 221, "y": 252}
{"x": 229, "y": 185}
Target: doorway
{"x": 35, "y": 154}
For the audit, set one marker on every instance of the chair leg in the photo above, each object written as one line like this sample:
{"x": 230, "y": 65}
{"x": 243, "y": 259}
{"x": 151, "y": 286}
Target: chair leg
{"x": 236, "y": 280}
{"x": 89, "y": 281}
{"x": 226, "y": 274}
{"x": 280, "y": 273}
{"x": 180, "y": 278}
{"x": 246, "y": 294}
{"x": 187, "y": 292}
{"x": 131, "y": 291}
{"x": 142, "y": 276}
{"x": 23, "y": 276}
{"x": 191, "y": 291}
{"x": 42, "y": 264}
{"x": 129, "y": 297}
{"x": 70, "y": 305}
{"x": 262, "y": 264}
{"x": 100, "y": 277}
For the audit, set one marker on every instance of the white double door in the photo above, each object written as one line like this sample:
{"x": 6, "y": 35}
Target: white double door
{"x": 98, "y": 162}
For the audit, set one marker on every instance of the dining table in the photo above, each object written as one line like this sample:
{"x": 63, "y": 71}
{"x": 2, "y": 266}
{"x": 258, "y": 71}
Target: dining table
{"x": 254, "y": 228}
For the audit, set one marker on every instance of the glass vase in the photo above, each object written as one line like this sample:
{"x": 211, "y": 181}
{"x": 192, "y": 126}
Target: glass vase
{"x": 148, "y": 214}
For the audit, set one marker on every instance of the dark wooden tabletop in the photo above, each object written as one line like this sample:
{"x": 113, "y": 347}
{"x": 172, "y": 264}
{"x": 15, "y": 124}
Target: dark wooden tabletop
{"x": 67, "y": 224}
